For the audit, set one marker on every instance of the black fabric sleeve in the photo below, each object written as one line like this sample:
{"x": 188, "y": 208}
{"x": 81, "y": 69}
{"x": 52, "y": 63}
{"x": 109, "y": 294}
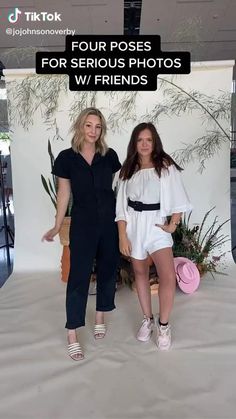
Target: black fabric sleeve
{"x": 115, "y": 163}
{"x": 61, "y": 166}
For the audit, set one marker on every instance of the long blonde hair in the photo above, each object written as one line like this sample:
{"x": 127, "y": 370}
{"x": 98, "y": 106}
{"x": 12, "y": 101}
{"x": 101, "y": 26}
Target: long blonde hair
{"x": 78, "y": 130}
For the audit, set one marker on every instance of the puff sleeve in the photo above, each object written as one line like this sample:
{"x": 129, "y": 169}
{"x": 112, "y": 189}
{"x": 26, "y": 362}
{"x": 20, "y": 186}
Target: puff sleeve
{"x": 121, "y": 201}
{"x": 115, "y": 164}
{"x": 61, "y": 165}
{"x": 173, "y": 197}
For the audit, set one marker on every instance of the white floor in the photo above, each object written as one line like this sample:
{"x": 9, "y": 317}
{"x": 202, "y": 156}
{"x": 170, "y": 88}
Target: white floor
{"x": 120, "y": 377}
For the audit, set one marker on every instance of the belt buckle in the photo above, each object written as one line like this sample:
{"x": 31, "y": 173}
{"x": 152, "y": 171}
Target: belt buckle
{"x": 138, "y": 206}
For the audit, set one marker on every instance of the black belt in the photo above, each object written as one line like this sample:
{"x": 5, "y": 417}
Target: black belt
{"x": 140, "y": 206}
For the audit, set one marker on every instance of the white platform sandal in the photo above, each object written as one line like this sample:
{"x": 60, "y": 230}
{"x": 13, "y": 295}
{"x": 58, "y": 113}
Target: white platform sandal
{"x": 99, "y": 331}
{"x": 75, "y": 351}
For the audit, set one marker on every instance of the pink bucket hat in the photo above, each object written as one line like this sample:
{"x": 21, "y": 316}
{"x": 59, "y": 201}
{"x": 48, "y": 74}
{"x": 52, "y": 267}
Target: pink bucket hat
{"x": 187, "y": 274}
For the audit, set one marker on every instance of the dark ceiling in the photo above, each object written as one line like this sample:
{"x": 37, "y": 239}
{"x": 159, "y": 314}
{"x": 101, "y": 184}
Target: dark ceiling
{"x": 206, "y": 28}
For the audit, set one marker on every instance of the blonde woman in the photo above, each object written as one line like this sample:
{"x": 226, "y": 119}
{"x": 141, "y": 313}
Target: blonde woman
{"x": 86, "y": 169}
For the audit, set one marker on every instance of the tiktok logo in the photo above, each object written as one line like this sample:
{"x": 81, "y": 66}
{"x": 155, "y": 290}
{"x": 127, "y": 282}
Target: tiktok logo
{"x": 13, "y": 17}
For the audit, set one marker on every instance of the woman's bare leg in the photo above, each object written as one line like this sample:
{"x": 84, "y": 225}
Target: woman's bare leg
{"x": 164, "y": 262}
{"x": 141, "y": 272}
{"x": 99, "y": 320}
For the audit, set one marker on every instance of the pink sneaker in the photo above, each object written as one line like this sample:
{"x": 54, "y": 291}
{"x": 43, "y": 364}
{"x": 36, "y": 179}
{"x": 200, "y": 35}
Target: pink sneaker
{"x": 145, "y": 330}
{"x": 163, "y": 337}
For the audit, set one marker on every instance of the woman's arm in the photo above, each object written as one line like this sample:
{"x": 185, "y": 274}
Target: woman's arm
{"x": 172, "y": 225}
{"x": 173, "y": 197}
{"x": 121, "y": 218}
{"x": 63, "y": 196}
{"x": 124, "y": 243}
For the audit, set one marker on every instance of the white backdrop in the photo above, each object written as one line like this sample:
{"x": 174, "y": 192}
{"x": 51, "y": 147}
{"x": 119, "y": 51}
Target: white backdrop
{"x": 196, "y": 379}
{"x": 34, "y": 213}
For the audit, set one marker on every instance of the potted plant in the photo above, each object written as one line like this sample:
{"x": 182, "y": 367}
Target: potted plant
{"x": 199, "y": 243}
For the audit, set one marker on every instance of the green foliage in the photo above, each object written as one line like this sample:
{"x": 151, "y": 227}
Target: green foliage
{"x": 49, "y": 189}
{"x": 50, "y": 185}
{"x": 198, "y": 243}
{"x": 4, "y": 136}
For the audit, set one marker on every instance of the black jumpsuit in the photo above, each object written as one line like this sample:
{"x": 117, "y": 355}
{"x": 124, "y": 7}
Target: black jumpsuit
{"x": 93, "y": 231}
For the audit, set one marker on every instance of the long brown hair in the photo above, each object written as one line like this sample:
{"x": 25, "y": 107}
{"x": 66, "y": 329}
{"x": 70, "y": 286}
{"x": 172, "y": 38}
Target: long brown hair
{"x": 161, "y": 160}
{"x": 78, "y": 130}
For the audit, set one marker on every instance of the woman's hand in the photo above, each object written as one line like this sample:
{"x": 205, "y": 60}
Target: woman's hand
{"x": 168, "y": 228}
{"x": 49, "y": 236}
{"x": 125, "y": 246}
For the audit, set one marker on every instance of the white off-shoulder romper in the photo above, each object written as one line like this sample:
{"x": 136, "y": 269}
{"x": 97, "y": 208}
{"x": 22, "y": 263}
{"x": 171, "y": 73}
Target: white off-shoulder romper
{"x": 146, "y": 186}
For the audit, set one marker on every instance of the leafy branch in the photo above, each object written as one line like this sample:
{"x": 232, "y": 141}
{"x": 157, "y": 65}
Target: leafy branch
{"x": 212, "y": 106}
{"x": 50, "y": 186}
{"x": 198, "y": 246}
{"x": 202, "y": 149}
{"x": 42, "y": 93}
